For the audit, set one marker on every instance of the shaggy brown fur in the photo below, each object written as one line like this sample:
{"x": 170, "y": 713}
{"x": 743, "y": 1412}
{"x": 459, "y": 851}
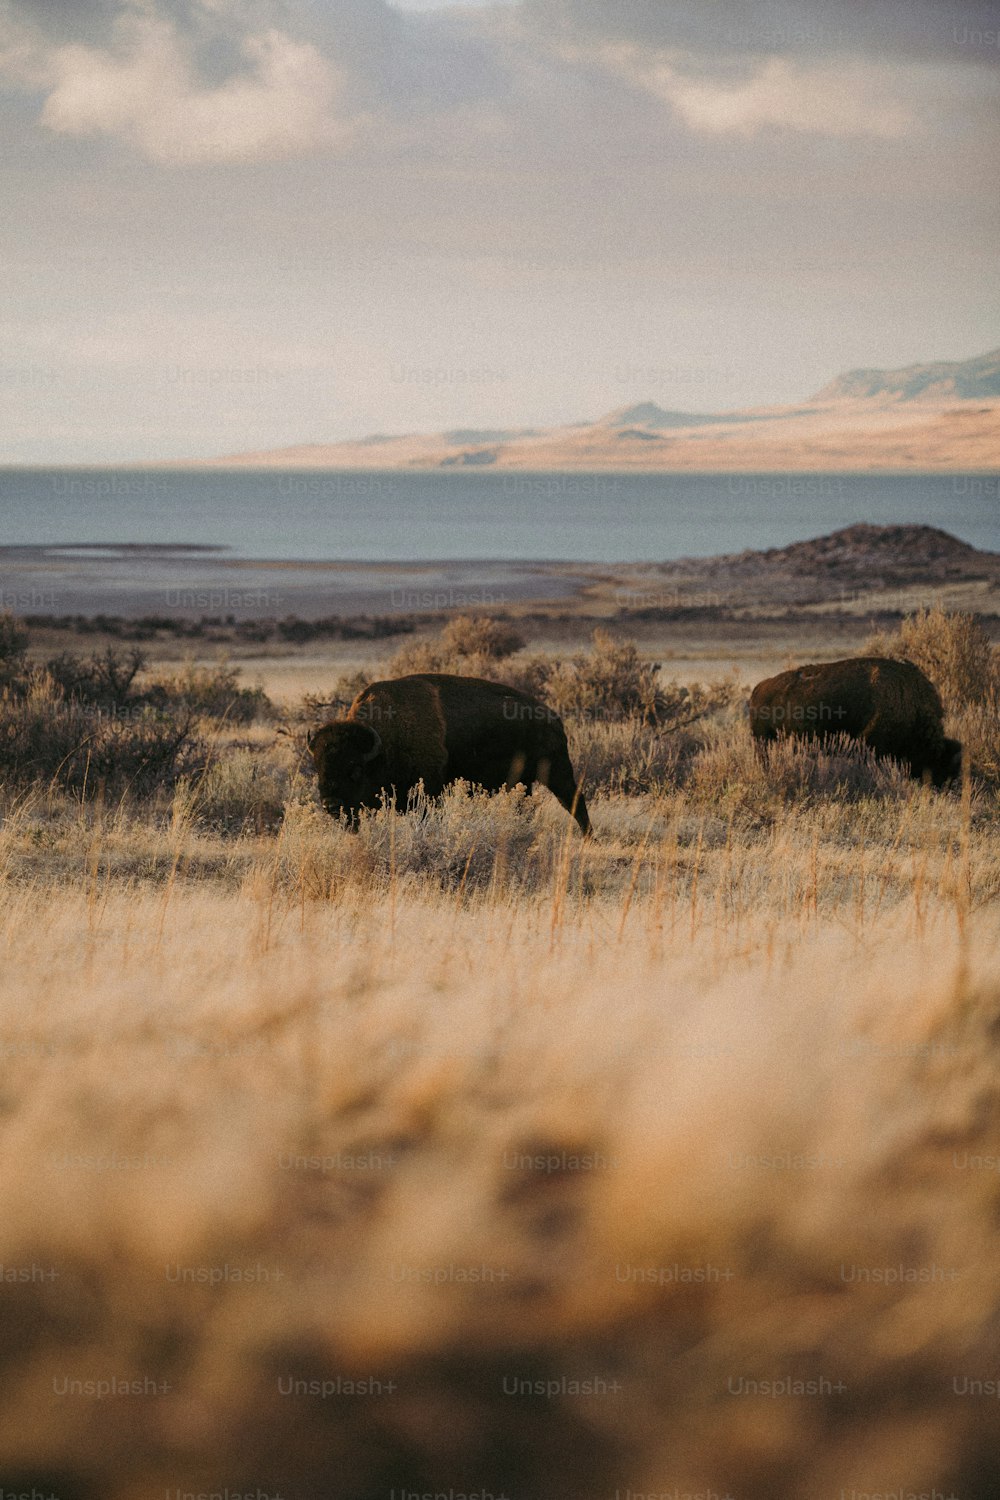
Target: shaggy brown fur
{"x": 888, "y": 705}
{"x": 437, "y": 728}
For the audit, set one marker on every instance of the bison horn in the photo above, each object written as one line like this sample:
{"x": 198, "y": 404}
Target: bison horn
{"x": 311, "y": 738}
{"x": 376, "y": 746}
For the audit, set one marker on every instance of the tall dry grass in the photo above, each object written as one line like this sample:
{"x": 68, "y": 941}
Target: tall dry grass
{"x": 464, "y": 1156}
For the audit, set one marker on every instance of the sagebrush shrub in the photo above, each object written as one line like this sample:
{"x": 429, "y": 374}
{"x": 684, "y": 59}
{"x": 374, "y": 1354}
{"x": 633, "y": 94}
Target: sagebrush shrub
{"x": 977, "y": 726}
{"x": 13, "y": 642}
{"x": 610, "y": 682}
{"x": 117, "y": 681}
{"x": 481, "y": 635}
{"x": 730, "y": 772}
{"x": 106, "y": 680}
{"x": 316, "y": 708}
{"x": 241, "y": 791}
{"x": 952, "y": 649}
{"x": 92, "y": 726}
{"x": 468, "y": 646}
{"x": 212, "y": 692}
{"x": 463, "y": 840}
{"x": 509, "y": 840}
{"x": 624, "y": 755}
{"x": 50, "y": 738}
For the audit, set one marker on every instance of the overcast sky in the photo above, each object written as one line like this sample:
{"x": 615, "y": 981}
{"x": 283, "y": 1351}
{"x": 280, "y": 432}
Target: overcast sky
{"x": 233, "y": 224}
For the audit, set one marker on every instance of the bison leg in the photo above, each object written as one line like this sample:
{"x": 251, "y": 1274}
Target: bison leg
{"x": 762, "y": 742}
{"x": 516, "y": 771}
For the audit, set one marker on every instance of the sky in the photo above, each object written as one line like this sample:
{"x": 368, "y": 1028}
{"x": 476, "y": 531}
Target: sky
{"x": 241, "y": 224}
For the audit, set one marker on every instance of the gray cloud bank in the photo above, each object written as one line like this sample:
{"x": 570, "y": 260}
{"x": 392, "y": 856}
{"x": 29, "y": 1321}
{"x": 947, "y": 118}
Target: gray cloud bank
{"x": 198, "y": 80}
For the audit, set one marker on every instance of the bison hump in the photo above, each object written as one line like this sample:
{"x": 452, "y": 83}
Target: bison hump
{"x": 409, "y": 716}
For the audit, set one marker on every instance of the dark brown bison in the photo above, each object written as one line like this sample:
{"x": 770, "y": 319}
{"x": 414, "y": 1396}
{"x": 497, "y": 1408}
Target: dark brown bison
{"x": 888, "y": 705}
{"x": 437, "y": 729}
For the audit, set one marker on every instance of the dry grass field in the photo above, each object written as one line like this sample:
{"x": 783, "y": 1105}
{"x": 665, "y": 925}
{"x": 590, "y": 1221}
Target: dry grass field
{"x": 463, "y": 1157}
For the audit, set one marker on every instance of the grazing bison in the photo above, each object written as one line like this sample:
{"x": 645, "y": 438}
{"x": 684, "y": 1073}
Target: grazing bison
{"x": 437, "y": 729}
{"x": 888, "y": 705}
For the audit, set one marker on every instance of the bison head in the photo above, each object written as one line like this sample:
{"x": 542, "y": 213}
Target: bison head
{"x": 350, "y": 765}
{"x": 949, "y": 764}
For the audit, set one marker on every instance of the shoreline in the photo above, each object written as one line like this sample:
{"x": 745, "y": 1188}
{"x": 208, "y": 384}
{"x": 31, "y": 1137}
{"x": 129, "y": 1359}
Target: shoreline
{"x": 136, "y": 584}
{"x": 541, "y": 471}
{"x": 860, "y": 569}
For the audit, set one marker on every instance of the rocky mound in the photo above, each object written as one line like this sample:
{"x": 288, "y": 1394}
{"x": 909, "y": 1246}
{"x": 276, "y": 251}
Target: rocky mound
{"x": 861, "y": 559}
{"x": 910, "y": 550}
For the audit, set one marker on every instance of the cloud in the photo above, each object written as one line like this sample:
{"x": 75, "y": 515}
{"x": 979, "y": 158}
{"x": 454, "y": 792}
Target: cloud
{"x": 146, "y": 90}
{"x": 838, "y": 100}
{"x": 187, "y": 81}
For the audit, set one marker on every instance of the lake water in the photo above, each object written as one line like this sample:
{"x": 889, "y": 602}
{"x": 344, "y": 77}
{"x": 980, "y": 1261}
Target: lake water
{"x": 353, "y": 517}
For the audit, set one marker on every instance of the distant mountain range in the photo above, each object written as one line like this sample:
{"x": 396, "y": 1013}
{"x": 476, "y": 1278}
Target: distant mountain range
{"x": 955, "y": 380}
{"x": 944, "y": 416}
{"x": 961, "y": 380}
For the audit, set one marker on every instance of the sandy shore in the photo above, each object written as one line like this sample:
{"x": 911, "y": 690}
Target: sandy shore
{"x": 189, "y": 583}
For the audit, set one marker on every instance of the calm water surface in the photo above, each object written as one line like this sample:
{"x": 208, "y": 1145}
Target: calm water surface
{"x": 500, "y": 516}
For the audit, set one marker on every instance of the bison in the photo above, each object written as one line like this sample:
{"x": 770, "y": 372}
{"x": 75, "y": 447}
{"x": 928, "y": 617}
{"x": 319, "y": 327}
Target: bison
{"x": 888, "y": 705}
{"x": 437, "y": 728}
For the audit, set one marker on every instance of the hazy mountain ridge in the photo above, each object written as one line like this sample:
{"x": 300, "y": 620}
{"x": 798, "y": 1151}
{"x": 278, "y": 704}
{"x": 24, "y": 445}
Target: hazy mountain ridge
{"x": 648, "y": 414}
{"x": 489, "y": 434}
{"x": 937, "y": 416}
{"x": 962, "y": 380}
